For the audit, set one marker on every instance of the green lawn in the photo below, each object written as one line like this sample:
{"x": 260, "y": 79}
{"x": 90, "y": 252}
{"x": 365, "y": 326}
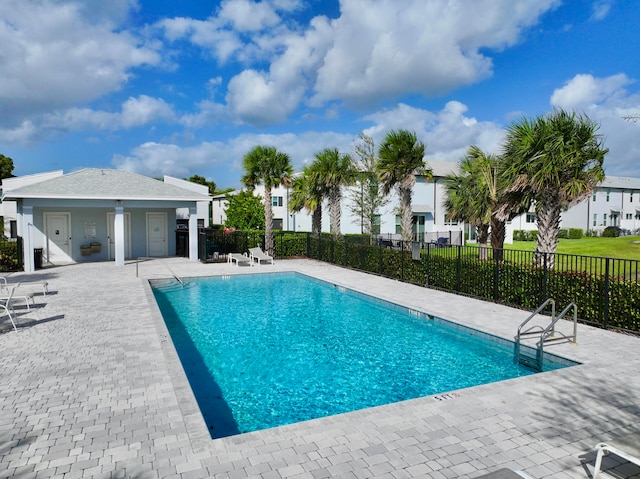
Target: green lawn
{"x": 627, "y": 247}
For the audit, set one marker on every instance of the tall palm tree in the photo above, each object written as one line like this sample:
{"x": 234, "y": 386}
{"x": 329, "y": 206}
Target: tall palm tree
{"x": 267, "y": 165}
{"x": 557, "y": 159}
{"x": 330, "y": 171}
{"x": 401, "y": 159}
{"x": 308, "y": 196}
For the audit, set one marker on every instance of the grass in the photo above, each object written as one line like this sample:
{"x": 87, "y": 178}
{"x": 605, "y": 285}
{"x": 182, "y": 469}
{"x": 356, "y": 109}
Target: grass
{"x": 626, "y": 247}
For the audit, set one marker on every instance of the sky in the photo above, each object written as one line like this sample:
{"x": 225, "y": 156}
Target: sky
{"x": 188, "y": 87}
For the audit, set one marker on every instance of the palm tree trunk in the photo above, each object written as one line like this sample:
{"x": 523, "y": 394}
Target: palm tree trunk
{"x": 548, "y": 222}
{"x": 268, "y": 221}
{"x": 406, "y": 216}
{"x": 334, "y": 202}
{"x": 316, "y": 220}
{"x": 497, "y": 237}
{"x": 483, "y": 235}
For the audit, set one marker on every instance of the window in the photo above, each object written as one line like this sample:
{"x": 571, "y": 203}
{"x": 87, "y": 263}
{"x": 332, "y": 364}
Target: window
{"x": 628, "y": 216}
{"x": 631, "y": 197}
{"x": 604, "y": 219}
{"x": 276, "y": 200}
{"x": 638, "y": 216}
{"x": 594, "y": 196}
{"x": 531, "y": 218}
{"x": 595, "y": 219}
{"x": 418, "y": 223}
{"x": 398, "y": 224}
{"x": 608, "y": 193}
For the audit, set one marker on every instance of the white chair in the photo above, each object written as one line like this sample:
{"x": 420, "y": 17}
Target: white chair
{"x": 16, "y": 293}
{"x": 42, "y": 284}
{"x": 626, "y": 447}
{"x": 239, "y": 259}
{"x": 5, "y": 307}
{"x": 256, "y": 254}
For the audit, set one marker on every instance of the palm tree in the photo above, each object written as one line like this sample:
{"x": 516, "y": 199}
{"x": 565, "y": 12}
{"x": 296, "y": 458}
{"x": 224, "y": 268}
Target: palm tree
{"x": 307, "y": 195}
{"x": 330, "y": 171}
{"x": 468, "y": 199}
{"x": 267, "y": 165}
{"x": 556, "y": 159}
{"x": 401, "y": 159}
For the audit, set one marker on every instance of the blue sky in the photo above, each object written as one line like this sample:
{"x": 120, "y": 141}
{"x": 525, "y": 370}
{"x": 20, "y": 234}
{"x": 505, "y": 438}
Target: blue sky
{"x": 184, "y": 87}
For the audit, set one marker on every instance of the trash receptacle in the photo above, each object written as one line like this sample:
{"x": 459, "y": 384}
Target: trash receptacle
{"x": 37, "y": 258}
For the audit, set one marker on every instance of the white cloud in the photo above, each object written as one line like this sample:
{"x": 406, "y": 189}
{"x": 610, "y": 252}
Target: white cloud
{"x": 377, "y": 50}
{"x": 143, "y": 110}
{"x": 607, "y": 101}
{"x": 382, "y": 48}
{"x": 446, "y": 133}
{"x": 54, "y": 57}
{"x": 600, "y": 9}
{"x": 584, "y": 90}
{"x": 246, "y": 15}
{"x": 135, "y": 112}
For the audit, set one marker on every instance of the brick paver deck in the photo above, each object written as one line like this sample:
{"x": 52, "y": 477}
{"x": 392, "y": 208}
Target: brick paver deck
{"x": 91, "y": 386}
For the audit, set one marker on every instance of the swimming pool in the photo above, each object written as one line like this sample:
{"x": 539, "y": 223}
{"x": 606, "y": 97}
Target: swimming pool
{"x": 272, "y": 349}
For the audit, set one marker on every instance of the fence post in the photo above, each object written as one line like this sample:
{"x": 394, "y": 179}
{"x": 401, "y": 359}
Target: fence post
{"x": 458, "y": 268}
{"x": 401, "y": 260}
{"x": 346, "y": 250}
{"x": 428, "y": 263}
{"x": 605, "y": 319}
{"x": 545, "y": 276}
{"x": 496, "y": 278}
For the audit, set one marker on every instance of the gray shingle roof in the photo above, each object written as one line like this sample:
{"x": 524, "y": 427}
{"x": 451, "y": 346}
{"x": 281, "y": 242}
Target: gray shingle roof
{"x": 621, "y": 182}
{"x": 96, "y": 183}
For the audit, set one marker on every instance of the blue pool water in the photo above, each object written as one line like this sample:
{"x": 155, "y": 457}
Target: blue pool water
{"x": 272, "y": 349}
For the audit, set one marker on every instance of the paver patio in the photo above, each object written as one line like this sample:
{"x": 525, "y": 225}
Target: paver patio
{"x": 90, "y": 386}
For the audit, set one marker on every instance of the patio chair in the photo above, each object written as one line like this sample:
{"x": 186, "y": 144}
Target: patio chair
{"x": 42, "y": 284}
{"x": 239, "y": 259}
{"x": 16, "y": 293}
{"x": 5, "y": 307}
{"x": 626, "y": 447}
{"x": 256, "y": 254}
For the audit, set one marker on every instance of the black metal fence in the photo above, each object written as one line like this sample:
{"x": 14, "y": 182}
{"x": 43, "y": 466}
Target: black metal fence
{"x": 606, "y": 291}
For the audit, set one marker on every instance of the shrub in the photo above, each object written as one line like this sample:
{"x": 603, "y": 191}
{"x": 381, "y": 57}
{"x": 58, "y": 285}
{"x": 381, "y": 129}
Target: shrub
{"x": 563, "y": 233}
{"x": 519, "y": 235}
{"x": 611, "y": 232}
{"x": 575, "y": 233}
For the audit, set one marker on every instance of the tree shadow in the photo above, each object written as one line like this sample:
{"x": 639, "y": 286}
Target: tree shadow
{"x": 586, "y": 409}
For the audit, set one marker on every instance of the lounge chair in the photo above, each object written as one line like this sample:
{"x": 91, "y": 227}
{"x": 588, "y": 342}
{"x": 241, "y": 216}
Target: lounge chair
{"x": 256, "y": 254}
{"x": 5, "y": 307}
{"x": 626, "y": 447}
{"x": 239, "y": 259}
{"x": 42, "y": 284}
{"x": 12, "y": 292}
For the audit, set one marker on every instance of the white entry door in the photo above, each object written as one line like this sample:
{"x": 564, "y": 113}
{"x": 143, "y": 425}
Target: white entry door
{"x": 157, "y": 234}
{"x": 58, "y": 244}
{"x": 111, "y": 217}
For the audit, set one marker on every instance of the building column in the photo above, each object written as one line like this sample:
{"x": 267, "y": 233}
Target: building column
{"x": 118, "y": 233}
{"x": 27, "y": 231}
{"x": 193, "y": 234}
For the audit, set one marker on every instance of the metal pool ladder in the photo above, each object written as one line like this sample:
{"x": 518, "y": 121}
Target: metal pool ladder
{"x": 544, "y": 335}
